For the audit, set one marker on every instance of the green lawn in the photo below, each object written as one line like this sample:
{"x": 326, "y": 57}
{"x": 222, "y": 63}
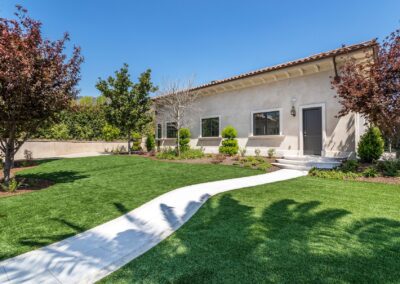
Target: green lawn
{"x": 303, "y": 230}
{"x": 89, "y": 192}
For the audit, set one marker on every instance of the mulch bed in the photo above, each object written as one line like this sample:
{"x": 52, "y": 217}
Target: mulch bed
{"x": 387, "y": 180}
{"x": 28, "y": 184}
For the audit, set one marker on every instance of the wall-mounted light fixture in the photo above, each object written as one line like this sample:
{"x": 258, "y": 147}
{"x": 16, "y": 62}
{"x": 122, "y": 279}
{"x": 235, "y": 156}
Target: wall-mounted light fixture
{"x": 293, "y": 110}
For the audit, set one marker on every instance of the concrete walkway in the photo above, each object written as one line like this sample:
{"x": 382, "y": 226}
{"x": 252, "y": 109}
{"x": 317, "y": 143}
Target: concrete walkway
{"x": 91, "y": 255}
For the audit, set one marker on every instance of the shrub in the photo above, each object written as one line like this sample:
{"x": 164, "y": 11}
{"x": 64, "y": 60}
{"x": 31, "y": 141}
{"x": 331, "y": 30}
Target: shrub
{"x": 271, "y": 153}
{"x": 150, "y": 143}
{"x": 110, "y": 132}
{"x": 390, "y": 168}
{"x": 229, "y": 132}
{"x": 184, "y": 139}
{"x": 229, "y": 144}
{"x": 371, "y": 145}
{"x": 229, "y": 147}
{"x": 12, "y": 186}
{"x": 332, "y": 174}
{"x": 242, "y": 152}
{"x": 171, "y": 154}
{"x": 257, "y": 152}
{"x": 349, "y": 166}
{"x": 60, "y": 131}
{"x": 370, "y": 172}
{"x": 137, "y": 142}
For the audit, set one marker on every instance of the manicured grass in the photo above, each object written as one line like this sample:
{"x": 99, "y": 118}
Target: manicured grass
{"x": 89, "y": 192}
{"x": 307, "y": 230}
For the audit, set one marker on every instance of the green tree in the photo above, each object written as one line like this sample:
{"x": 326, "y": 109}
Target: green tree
{"x": 371, "y": 145}
{"x": 128, "y": 104}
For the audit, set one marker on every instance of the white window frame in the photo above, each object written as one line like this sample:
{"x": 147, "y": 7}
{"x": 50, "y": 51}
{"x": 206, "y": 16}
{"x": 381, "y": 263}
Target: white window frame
{"x": 219, "y": 126}
{"x": 166, "y": 130}
{"x": 323, "y": 114}
{"x": 266, "y": 110}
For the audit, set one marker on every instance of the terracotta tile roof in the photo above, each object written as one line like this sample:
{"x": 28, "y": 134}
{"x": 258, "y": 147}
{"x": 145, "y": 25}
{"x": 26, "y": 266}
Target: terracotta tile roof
{"x": 322, "y": 55}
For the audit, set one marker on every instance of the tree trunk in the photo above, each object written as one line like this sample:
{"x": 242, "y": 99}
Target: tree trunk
{"x": 129, "y": 142}
{"x": 8, "y": 162}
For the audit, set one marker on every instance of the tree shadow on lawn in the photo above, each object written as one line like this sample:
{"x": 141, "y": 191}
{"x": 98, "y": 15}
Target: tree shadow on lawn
{"x": 290, "y": 242}
{"x": 55, "y": 176}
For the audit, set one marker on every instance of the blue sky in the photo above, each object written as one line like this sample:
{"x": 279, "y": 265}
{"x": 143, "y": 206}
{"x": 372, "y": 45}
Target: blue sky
{"x": 208, "y": 39}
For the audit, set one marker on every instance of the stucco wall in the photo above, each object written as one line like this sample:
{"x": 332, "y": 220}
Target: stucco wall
{"x": 235, "y": 107}
{"x": 47, "y": 149}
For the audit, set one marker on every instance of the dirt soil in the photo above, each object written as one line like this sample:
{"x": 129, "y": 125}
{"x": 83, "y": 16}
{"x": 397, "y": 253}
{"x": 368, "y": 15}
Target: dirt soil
{"x": 28, "y": 185}
{"x": 388, "y": 180}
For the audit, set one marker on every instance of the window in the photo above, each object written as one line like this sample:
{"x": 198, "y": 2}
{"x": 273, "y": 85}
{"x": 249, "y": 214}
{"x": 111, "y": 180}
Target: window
{"x": 210, "y": 127}
{"x": 172, "y": 130}
{"x": 266, "y": 123}
{"x": 159, "y": 131}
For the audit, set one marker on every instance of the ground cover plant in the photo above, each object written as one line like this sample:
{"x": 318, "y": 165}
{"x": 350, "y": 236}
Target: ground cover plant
{"x": 307, "y": 230}
{"x": 90, "y": 191}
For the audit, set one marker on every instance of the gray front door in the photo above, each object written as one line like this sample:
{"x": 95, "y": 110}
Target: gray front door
{"x": 312, "y": 131}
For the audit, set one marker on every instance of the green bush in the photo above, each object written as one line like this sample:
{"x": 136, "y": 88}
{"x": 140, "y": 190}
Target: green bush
{"x": 229, "y": 144}
{"x": 150, "y": 143}
{"x": 229, "y": 132}
{"x": 110, "y": 132}
{"x": 60, "y": 131}
{"x": 229, "y": 147}
{"x": 390, "y": 168}
{"x": 370, "y": 172}
{"x": 171, "y": 154}
{"x": 184, "y": 139}
{"x": 137, "y": 142}
{"x": 332, "y": 174}
{"x": 349, "y": 166}
{"x": 371, "y": 145}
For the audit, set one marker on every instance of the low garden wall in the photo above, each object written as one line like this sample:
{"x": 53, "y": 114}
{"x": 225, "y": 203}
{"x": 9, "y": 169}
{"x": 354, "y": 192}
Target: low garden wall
{"x": 48, "y": 149}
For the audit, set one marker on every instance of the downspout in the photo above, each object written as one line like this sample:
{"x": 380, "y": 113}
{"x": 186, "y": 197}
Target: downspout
{"x": 335, "y": 67}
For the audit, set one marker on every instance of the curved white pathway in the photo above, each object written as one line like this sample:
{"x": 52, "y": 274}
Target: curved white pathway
{"x": 93, "y": 254}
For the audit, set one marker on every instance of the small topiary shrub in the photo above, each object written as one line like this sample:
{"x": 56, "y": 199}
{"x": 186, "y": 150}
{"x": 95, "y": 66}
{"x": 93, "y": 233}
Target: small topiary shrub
{"x": 371, "y": 145}
{"x": 229, "y": 144}
{"x": 229, "y": 132}
{"x": 150, "y": 143}
{"x": 184, "y": 139}
{"x": 349, "y": 166}
{"x": 137, "y": 142}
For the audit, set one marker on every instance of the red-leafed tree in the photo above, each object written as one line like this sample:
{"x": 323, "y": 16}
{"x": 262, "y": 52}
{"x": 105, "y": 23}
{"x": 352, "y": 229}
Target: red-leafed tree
{"x": 37, "y": 80}
{"x": 373, "y": 88}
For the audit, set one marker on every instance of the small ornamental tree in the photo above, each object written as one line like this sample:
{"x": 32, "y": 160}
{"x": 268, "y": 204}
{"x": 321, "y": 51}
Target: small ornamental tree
{"x": 184, "y": 139}
{"x": 371, "y": 145}
{"x": 229, "y": 144}
{"x": 128, "y": 104}
{"x": 37, "y": 81}
{"x": 372, "y": 88}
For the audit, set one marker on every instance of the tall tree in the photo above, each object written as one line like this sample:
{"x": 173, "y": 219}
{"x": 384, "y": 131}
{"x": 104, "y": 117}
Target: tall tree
{"x": 175, "y": 102}
{"x": 37, "y": 81}
{"x": 372, "y": 88}
{"x": 128, "y": 104}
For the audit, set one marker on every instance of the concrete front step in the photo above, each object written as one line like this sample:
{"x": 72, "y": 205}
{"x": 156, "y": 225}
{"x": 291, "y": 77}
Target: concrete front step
{"x": 313, "y": 158}
{"x": 307, "y": 162}
{"x": 311, "y": 163}
{"x": 292, "y": 167}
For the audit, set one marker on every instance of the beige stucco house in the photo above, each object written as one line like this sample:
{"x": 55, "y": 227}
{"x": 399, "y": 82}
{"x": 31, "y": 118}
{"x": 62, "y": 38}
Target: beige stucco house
{"x": 289, "y": 107}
